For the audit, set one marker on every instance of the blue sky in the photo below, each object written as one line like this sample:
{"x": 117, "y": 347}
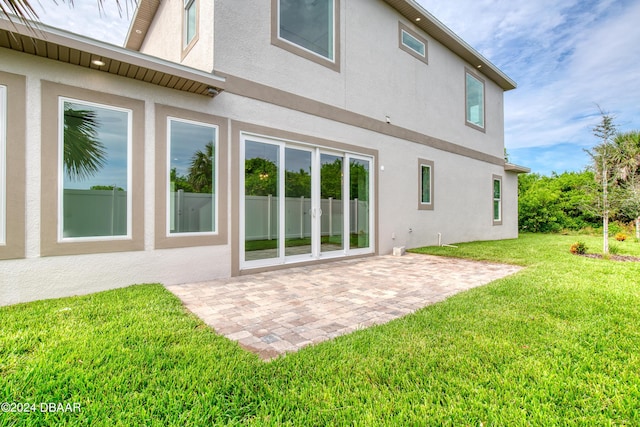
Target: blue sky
{"x": 569, "y": 58}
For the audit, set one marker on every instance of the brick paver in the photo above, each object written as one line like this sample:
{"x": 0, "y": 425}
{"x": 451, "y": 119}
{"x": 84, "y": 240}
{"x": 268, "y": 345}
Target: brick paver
{"x": 282, "y": 311}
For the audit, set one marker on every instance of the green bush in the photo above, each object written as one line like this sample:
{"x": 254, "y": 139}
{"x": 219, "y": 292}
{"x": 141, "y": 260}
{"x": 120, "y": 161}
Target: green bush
{"x": 556, "y": 203}
{"x": 579, "y": 248}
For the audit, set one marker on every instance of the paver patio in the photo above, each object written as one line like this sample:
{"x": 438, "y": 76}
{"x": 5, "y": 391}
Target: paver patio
{"x": 282, "y": 311}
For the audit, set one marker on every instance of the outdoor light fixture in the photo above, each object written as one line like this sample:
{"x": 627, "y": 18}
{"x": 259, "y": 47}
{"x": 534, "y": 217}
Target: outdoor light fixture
{"x": 98, "y": 62}
{"x": 212, "y": 91}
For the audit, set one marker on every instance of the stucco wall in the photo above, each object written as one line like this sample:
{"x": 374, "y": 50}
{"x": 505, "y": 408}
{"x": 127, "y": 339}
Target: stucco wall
{"x": 37, "y": 277}
{"x": 164, "y": 37}
{"x": 376, "y": 77}
{"x": 462, "y": 194}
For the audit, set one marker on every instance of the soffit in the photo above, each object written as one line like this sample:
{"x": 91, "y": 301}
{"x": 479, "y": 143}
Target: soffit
{"x": 436, "y": 29}
{"x": 510, "y": 167}
{"x": 58, "y": 45}
{"x": 140, "y": 23}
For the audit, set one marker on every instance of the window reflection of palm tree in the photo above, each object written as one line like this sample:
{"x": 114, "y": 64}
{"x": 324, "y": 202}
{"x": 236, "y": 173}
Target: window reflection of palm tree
{"x": 201, "y": 170}
{"x": 84, "y": 153}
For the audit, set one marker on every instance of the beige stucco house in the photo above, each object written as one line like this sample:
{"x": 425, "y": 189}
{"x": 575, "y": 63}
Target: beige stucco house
{"x": 228, "y": 137}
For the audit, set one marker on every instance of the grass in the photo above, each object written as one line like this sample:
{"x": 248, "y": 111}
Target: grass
{"x": 556, "y": 344}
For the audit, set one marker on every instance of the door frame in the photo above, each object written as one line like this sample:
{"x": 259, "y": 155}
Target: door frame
{"x": 316, "y": 253}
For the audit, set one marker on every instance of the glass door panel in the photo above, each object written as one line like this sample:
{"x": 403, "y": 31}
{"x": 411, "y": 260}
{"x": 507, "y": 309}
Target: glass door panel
{"x": 331, "y": 203}
{"x": 261, "y": 203}
{"x": 298, "y": 208}
{"x": 359, "y": 209}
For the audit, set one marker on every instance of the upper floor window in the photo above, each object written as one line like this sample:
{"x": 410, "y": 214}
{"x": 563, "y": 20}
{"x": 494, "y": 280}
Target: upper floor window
{"x": 308, "y": 28}
{"x": 474, "y": 90}
{"x": 425, "y": 193}
{"x": 3, "y": 164}
{"x": 412, "y": 43}
{"x": 308, "y": 24}
{"x": 190, "y": 23}
{"x": 497, "y": 200}
{"x": 95, "y": 155}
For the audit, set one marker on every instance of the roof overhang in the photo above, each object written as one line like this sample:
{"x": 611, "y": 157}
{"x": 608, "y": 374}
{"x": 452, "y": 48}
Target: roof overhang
{"x": 140, "y": 23}
{"x": 510, "y": 167}
{"x": 62, "y": 46}
{"x": 424, "y": 20}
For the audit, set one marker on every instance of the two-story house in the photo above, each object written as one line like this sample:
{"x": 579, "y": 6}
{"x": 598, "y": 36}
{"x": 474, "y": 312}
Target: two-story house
{"x": 232, "y": 136}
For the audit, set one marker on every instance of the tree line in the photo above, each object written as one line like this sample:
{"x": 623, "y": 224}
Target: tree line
{"x": 608, "y": 188}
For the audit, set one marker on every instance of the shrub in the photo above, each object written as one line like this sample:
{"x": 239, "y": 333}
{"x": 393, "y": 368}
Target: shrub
{"x": 621, "y": 237}
{"x": 614, "y": 249}
{"x": 579, "y": 248}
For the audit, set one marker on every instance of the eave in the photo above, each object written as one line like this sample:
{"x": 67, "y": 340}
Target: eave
{"x": 510, "y": 167}
{"x": 62, "y": 46}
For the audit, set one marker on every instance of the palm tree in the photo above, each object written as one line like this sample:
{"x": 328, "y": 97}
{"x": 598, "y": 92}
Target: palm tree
{"x": 201, "y": 170}
{"x": 21, "y": 8}
{"x": 84, "y": 153}
{"x": 24, "y": 11}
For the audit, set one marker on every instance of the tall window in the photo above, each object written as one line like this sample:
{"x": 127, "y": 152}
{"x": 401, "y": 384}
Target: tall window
{"x": 190, "y": 21}
{"x": 308, "y": 24}
{"x": 94, "y": 154}
{"x": 192, "y": 158}
{"x": 475, "y": 101}
{"x": 425, "y": 191}
{"x": 3, "y": 164}
{"x": 497, "y": 200}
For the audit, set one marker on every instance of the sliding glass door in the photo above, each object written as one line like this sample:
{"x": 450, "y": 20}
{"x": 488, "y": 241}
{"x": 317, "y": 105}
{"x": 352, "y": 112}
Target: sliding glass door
{"x": 302, "y": 203}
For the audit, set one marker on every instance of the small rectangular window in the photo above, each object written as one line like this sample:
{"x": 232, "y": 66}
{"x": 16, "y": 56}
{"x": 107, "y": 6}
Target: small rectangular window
{"x": 308, "y": 24}
{"x": 95, "y": 153}
{"x": 3, "y": 164}
{"x": 412, "y": 43}
{"x": 497, "y": 200}
{"x": 192, "y": 158}
{"x": 474, "y": 89}
{"x": 425, "y": 176}
{"x": 190, "y": 21}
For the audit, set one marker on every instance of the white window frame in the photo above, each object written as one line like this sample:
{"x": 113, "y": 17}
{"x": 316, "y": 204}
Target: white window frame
{"x": 282, "y": 144}
{"x": 407, "y": 34}
{"x": 332, "y": 33}
{"x": 130, "y": 190}
{"x": 496, "y": 221}
{"x": 187, "y": 5}
{"x": 215, "y": 231}
{"x": 483, "y": 116}
{"x": 3, "y": 165}
{"x": 422, "y": 205}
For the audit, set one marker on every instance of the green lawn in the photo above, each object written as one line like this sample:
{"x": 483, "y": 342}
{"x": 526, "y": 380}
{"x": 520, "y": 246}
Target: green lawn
{"x": 556, "y": 344}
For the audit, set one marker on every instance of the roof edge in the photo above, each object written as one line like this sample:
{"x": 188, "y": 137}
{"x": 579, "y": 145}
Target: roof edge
{"x": 510, "y": 167}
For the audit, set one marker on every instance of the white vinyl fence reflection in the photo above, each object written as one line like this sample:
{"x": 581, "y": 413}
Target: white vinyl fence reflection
{"x": 261, "y": 217}
{"x": 90, "y": 213}
{"x": 191, "y": 212}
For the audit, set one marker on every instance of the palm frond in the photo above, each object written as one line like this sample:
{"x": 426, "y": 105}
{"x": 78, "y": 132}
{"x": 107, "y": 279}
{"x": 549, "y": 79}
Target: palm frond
{"x": 84, "y": 154}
